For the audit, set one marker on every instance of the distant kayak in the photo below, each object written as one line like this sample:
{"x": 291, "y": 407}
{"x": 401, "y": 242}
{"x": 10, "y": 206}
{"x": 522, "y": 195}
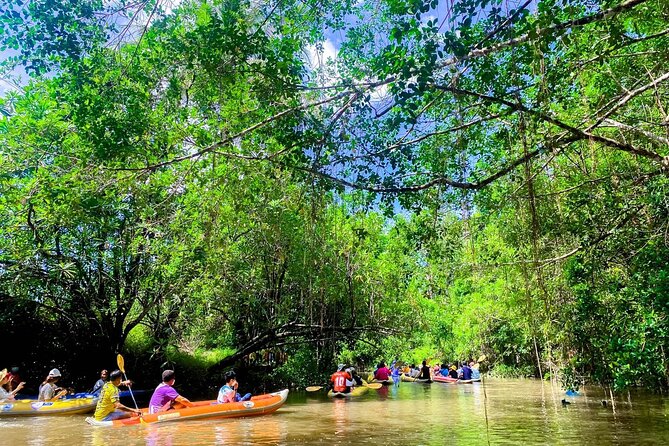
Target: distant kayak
{"x": 39, "y": 408}
{"x": 444, "y": 379}
{"x": 256, "y": 406}
{"x": 411, "y": 379}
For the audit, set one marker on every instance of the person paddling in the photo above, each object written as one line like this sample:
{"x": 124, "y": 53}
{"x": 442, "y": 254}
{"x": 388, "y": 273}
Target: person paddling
{"x": 165, "y": 397}
{"x": 109, "y": 407}
{"x": 48, "y": 391}
{"x": 228, "y": 393}
{"x": 339, "y": 378}
{"x": 425, "y": 371}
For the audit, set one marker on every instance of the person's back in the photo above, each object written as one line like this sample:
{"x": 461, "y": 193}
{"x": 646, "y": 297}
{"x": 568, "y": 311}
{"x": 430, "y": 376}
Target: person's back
{"x": 339, "y": 378}
{"x": 382, "y": 374}
{"x": 466, "y": 372}
{"x": 355, "y": 379}
{"x": 453, "y": 373}
{"x": 424, "y": 372}
{"x": 165, "y": 395}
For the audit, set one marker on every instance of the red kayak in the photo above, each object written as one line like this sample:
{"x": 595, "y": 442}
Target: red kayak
{"x": 444, "y": 379}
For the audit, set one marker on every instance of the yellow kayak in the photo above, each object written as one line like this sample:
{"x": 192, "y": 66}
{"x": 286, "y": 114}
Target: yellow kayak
{"x": 38, "y": 408}
{"x": 355, "y": 391}
{"x": 411, "y": 379}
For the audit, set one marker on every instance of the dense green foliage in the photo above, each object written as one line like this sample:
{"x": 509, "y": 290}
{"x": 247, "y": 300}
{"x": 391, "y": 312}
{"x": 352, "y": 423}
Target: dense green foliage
{"x": 461, "y": 179}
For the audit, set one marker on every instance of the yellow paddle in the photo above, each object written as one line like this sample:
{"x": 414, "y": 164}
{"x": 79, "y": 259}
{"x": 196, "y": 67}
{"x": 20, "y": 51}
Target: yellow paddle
{"x": 375, "y": 386}
{"x": 121, "y": 366}
{"x": 313, "y": 388}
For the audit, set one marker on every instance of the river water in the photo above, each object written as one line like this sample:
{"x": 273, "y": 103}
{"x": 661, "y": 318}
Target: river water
{"x": 503, "y": 412}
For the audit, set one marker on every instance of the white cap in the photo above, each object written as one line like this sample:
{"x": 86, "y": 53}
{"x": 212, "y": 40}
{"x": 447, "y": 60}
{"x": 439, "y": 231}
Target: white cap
{"x": 54, "y": 373}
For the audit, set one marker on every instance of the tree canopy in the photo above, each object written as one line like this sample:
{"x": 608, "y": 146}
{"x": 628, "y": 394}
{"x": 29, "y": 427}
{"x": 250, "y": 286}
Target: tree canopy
{"x": 458, "y": 178}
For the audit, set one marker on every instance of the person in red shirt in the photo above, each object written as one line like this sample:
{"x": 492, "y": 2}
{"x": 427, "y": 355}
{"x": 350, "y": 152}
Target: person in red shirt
{"x": 339, "y": 378}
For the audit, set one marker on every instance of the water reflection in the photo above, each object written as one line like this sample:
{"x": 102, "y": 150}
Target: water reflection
{"x": 499, "y": 412}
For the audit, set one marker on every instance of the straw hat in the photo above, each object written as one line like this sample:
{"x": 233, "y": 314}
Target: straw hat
{"x": 3, "y": 374}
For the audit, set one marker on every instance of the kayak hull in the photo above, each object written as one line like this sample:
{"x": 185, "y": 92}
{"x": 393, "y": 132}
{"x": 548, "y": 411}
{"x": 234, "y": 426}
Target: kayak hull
{"x": 444, "y": 379}
{"x": 31, "y": 408}
{"x": 356, "y": 391}
{"x": 411, "y": 379}
{"x": 256, "y": 406}
{"x": 385, "y": 382}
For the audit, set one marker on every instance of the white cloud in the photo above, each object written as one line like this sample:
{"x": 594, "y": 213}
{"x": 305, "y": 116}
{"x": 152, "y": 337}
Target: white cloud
{"x": 319, "y": 55}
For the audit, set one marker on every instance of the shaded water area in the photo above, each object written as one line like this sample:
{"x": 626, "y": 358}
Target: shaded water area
{"x": 517, "y": 412}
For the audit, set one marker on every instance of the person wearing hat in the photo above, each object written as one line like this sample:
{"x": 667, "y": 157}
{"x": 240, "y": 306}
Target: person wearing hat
{"x": 109, "y": 407}
{"x": 452, "y": 372}
{"x": 48, "y": 390}
{"x": 4, "y": 379}
{"x": 165, "y": 396}
{"x": 338, "y": 379}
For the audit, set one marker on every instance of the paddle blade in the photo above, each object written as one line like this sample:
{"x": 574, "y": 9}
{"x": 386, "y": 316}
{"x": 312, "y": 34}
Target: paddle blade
{"x": 375, "y": 386}
{"x": 121, "y": 363}
{"x": 313, "y": 388}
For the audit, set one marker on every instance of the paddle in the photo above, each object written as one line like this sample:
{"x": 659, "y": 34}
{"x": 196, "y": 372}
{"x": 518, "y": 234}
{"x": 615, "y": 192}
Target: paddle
{"x": 375, "y": 386}
{"x": 121, "y": 366}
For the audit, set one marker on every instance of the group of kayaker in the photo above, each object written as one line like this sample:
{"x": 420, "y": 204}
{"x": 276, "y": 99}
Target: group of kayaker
{"x": 108, "y": 408}
{"x": 464, "y": 371}
{"x": 165, "y": 397}
{"x": 11, "y": 384}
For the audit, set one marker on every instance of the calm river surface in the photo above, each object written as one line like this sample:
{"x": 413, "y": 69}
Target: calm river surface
{"x": 518, "y": 412}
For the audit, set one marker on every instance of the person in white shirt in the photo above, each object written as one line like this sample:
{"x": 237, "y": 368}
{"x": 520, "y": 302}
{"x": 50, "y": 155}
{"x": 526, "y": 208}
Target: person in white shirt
{"x": 4, "y": 379}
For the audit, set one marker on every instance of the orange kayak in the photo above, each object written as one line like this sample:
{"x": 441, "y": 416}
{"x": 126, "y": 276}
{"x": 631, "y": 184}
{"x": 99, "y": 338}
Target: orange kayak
{"x": 257, "y": 405}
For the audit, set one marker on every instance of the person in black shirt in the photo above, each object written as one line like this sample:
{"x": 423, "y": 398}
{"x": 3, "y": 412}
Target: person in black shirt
{"x": 425, "y": 372}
